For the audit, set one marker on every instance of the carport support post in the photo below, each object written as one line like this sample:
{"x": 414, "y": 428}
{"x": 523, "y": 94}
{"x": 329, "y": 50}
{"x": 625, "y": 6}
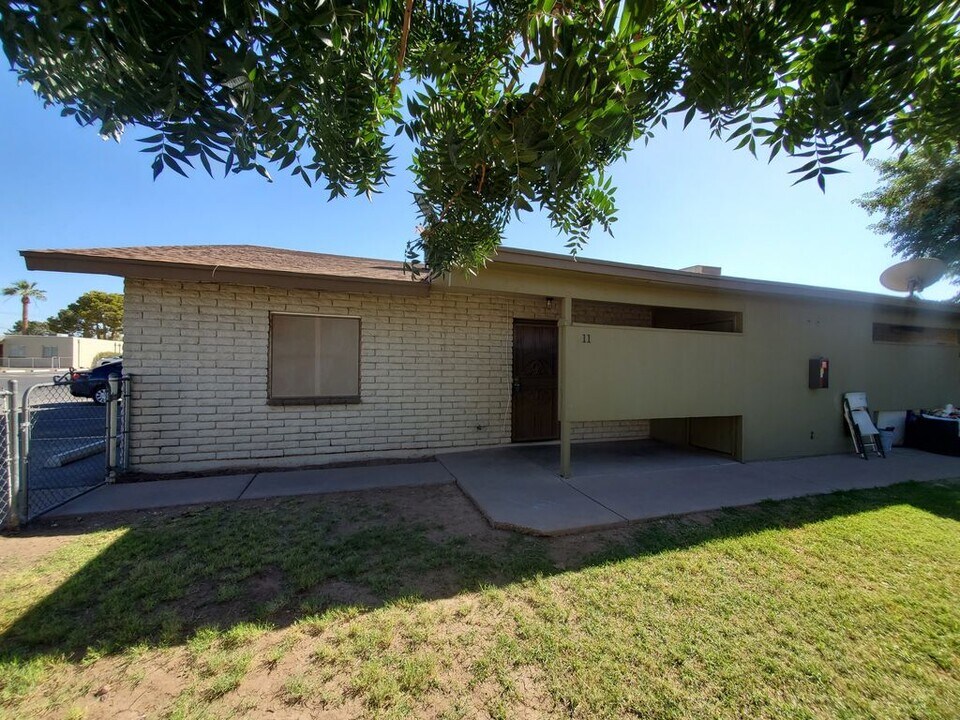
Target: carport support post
{"x": 566, "y": 317}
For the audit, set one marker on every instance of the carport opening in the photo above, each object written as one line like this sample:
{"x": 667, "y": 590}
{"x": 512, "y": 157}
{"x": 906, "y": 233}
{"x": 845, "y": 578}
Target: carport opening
{"x": 721, "y": 435}
{"x": 625, "y": 459}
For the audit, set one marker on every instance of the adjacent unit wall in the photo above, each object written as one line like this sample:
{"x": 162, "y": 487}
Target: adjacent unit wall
{"x": 86, "y": 349}
{"x": 58, "y": 351}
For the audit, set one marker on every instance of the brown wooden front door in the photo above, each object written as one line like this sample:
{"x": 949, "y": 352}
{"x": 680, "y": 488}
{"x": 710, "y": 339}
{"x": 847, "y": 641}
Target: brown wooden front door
{"x": 535, "y": 381}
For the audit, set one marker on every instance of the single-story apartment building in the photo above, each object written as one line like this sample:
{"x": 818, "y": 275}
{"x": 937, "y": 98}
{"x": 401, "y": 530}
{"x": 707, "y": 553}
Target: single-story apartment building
{"x": 54, "y": 351}
{"x": 246, "y": 356}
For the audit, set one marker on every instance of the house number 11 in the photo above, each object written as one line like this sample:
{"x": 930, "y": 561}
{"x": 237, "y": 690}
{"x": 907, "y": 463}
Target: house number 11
{"x": 585, "y": 338}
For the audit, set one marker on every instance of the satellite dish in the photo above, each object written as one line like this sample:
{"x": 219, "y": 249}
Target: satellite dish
{"x": 913, "y": 276}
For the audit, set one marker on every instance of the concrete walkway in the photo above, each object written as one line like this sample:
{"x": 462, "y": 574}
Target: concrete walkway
{"x": 613, "y": 483}
{"x": 195, "y": 491}
{"x": 519, "y": 488}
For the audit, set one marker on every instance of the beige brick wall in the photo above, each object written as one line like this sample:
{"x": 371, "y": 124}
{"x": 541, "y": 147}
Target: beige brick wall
{"x": 435, "y": 373}
{"x": 610, "y": 430}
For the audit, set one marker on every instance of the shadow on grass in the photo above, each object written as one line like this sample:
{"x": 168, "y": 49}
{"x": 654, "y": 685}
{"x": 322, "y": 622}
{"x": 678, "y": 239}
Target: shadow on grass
{"x": 167, "y": 576}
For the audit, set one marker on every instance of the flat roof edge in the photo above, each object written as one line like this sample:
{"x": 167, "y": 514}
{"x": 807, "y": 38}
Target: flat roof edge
{"x": 724, "y": 283}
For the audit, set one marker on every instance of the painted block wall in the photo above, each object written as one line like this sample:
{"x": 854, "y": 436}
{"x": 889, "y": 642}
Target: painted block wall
{"x": 435, "y": 375}
{"x": 761, "y": 374}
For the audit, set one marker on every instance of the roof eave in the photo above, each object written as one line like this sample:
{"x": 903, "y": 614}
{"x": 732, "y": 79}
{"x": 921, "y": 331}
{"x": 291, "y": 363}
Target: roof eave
{"x": 189, "y": 272}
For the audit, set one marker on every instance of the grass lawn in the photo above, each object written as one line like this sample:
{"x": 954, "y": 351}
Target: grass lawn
{"x": 405, "y": 603}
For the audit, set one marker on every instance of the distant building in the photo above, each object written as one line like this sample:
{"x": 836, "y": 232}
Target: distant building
{"x": 53, "y": 351}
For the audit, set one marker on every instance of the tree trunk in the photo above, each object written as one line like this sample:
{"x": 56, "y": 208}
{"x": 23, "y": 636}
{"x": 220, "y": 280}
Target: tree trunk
{"x": 25, "y": 320}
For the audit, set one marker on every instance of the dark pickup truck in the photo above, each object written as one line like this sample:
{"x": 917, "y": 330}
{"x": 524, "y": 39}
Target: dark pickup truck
{"x": 92, "y": 383}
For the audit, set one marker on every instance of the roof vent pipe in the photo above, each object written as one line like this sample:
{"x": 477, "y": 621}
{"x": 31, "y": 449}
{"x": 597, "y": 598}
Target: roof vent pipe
{"x": 702, "y": 269}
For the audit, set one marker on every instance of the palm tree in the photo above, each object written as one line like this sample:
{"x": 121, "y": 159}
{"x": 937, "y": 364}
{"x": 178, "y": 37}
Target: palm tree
{"x": 27, "y": 291}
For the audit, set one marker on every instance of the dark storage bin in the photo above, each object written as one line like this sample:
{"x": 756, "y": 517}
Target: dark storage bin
{"x": 932, "y": 435}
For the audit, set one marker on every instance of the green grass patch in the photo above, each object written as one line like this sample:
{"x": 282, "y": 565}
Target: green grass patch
{"x": 840, "y": 606}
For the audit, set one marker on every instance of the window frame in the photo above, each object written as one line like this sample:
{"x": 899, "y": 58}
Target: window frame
{"x": 716, "y": 316}
{"x": 899, "y": 334}
{"x": 311, "y": 399}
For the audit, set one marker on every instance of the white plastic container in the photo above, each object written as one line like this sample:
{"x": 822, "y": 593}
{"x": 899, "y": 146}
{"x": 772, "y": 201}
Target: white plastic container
{"x": 886, "y": 438}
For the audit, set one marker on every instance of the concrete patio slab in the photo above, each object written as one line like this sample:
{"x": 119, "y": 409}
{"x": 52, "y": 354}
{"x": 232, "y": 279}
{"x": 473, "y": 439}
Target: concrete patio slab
{"x": 828, "y": 473}
{"x": 364, "y": 477}
{"x": 515, "y": 493}
{"x": 148, "y": 495}
{"x": 616, "y": 482}
{"x": 607, "y": 458}
{"x": 646, "y": 495}
{"x": 515, "y": 487}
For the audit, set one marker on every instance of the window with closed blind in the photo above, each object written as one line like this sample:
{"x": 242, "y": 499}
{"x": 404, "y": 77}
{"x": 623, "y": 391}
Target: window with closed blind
{"x": 314, "y": 359}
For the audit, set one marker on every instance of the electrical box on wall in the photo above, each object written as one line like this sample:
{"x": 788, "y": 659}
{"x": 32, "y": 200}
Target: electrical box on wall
{"x": 819, "y": 373}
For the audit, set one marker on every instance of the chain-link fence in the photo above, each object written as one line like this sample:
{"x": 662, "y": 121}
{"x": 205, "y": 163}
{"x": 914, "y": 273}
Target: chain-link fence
{"x": 6, "y": 459}
{"x": 58, "y": 445}
{"x": 121, "y": 433}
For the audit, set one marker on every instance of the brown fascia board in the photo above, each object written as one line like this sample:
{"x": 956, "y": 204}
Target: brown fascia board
{"x": 153, "y": 270}
{"x": 662, "y": 276}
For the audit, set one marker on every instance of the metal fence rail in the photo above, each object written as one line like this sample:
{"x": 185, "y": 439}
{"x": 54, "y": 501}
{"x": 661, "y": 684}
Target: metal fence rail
{"x": 36, "y": 363}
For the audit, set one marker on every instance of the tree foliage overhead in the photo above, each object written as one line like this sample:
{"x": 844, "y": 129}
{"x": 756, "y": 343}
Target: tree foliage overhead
{"x": 919, "y": 199}
{"x": 95, "y": 314}
{"x": 510, "y": 104}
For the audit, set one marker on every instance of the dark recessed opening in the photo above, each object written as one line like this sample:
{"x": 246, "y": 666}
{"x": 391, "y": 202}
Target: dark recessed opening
{"x": 915, "y": 334}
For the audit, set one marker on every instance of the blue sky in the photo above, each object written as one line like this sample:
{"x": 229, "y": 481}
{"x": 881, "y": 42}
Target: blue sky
{"x": 684, "y": 199}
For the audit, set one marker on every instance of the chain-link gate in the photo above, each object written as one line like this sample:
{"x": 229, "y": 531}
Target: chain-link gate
{"x": 68, "y": 444}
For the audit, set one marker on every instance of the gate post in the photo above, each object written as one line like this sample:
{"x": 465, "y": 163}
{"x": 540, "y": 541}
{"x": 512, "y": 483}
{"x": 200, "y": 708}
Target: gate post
{"x": 23, "y": 505}
{"x": 125, "y": 422}
{"x": 13, "y": 454}
{"x": 112, "y": 408}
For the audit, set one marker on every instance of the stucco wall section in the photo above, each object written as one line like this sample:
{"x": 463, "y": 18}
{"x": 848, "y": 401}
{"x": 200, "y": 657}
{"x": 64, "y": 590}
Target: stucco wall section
{"x": 761, "y": 374}
{"x": 435, "y": 373}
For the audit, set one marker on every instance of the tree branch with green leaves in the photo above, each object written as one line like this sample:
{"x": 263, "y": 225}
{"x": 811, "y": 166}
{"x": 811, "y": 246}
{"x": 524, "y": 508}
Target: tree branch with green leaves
{"x": 510, "y": 105}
